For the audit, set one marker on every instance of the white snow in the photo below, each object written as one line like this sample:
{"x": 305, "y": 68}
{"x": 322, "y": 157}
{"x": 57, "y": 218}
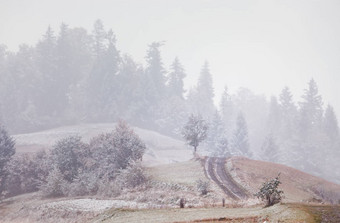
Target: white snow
{"x": 160, "y": 149}
{"x": 92, "y": 205}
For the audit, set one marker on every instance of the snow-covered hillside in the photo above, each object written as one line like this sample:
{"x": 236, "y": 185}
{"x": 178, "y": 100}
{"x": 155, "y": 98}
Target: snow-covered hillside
{"x": 160, "y": 149}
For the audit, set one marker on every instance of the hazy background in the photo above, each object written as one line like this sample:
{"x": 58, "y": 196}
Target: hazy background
{"x": 262, "y": 45}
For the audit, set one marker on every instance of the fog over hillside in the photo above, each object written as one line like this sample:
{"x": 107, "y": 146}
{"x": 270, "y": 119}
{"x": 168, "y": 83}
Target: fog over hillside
{"x": 261, "y": 45}
{"x": 263, "y": 75}
{"x": 134, "y": 110}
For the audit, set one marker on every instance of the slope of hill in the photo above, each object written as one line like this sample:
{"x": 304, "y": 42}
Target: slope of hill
{"x": 297, "y": 185}
{"x": 160, "y": 149}
{"x": 158, "y": 201}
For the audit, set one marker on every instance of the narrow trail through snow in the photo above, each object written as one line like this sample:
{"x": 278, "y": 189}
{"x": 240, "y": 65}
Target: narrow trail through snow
{"x": 215, "y": 170}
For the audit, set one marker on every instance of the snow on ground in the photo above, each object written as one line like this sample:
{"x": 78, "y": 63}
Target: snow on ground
{"x": 92, "y": 205}
{"x": 160, "y": 149}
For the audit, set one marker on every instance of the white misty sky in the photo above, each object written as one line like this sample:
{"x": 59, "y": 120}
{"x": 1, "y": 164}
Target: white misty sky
{"x": 262, "y": 45}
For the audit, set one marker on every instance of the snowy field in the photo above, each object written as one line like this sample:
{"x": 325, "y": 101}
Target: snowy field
{"x": 160, "y": 149}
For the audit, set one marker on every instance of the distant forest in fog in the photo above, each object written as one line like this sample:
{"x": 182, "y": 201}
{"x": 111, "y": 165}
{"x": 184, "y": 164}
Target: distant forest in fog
{"x": 74, "y": 76}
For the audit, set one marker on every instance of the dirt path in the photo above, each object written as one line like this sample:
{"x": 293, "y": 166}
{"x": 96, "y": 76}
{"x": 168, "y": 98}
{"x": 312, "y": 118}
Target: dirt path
{"x": 216, "y": 171}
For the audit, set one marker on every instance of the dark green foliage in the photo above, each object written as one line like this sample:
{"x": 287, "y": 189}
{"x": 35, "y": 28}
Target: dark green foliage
{"x": 269, "y": 191}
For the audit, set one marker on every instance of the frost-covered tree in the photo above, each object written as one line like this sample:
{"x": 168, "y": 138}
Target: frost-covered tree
{"x": 201, "y": 98}
{"x": 311, "y": 111}
{"x": 67, "y": 155}
{"x": 175, "y": 80}
{"x": 132, "y": 176}
{"x": 46, "y": 61}
{"x": 269, "y": 149}
{"x": 116, "y": 150}
{"x": 155, "y": 73}
{"x": 239, "y": 141}
{"x": 274, "y": 116}
{"x": 288, "y": 111}
{"x": 330, "y": 124}
{"x": 227, "y": 110}
{"x": 129, "y": 146}
{"x": 217, "y": 141}
{"x": 99, "y": 36}
{"x": 7, "y": 150}
{"x": 55, "y": 185}
{"x": 222, "y": 147}
{"x": 26, "y": 172}
{"x": 101, "y": 84}
{"x": 195, "y": 131}
{"x": 270, "y": 192}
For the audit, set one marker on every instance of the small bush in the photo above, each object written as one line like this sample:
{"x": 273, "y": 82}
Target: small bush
{"x": 132, "y": 176}
{"x": 202, "y": 186}
{"x": 85, "y": 184}
{"x": 107, "y": 188}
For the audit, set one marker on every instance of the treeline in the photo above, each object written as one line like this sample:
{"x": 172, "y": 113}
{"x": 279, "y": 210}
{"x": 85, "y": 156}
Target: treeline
{"x": 74, "y": 76}
{"x": 107, "y": 165}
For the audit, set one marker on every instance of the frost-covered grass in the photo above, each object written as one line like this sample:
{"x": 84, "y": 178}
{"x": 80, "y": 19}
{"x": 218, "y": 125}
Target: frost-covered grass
{"x": 277, "y": 213}
{"x": 92, "y": 205}
{"x": 186, "y": 173}
{"x": 160, "y": 149}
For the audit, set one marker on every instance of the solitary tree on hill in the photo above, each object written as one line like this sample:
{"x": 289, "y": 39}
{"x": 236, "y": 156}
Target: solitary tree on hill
{"x": 195, "y": 131}
{"x": 270, "y": 192}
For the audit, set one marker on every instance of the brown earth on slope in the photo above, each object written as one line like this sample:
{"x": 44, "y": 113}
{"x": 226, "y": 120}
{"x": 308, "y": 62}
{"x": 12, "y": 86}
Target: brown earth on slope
{"x": 297, "y": 185}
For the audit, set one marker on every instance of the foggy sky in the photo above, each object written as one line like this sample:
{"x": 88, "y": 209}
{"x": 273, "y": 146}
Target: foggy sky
{"x": 262, "y": 45}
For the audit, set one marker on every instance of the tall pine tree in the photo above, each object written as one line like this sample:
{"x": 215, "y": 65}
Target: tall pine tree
{"x": 311, "y": 111}
{"x": 201, "y": 98}
{"x": 330, "y": 124}
{"x": 239, "y": 142}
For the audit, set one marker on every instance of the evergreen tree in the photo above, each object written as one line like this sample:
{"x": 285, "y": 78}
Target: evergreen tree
{"x": 217, "y": 141}
{"x": 22, "y": 85}
{"x": 274, "y": 116}
{"x": 288, "y": 113}
{"x": 128, "y": 97}
{"x": 7, "y": 150}
{"x": 47, "y": 65}
{"x": 205, "y": 93}
{"x": 227, "y": 110}
{"x": 155, "y": 72}
{"x": 222, "y": 147}
{"x": 330, "y": 124}
{"x": 269, "y": 149}
{"x": 75, "y": 60}
{"x": 153, "y": 87}
{"x": 311, "y": 111}
{"x": 175, "y": 82}
{"x": 101, "y": 82}
{"x": 100, "y": 38}
{"x": 240, "y": 144}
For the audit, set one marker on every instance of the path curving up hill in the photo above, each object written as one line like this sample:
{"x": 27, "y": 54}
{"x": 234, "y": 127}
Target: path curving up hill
{"x": 215, "y": 170}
